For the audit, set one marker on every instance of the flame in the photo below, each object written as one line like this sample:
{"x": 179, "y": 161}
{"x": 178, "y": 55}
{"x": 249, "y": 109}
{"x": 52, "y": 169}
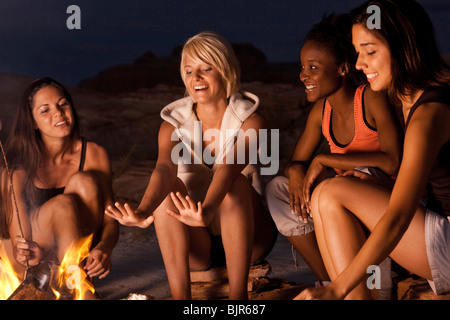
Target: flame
{"x": 70, "y": 275}
{"x": 9, "y": 281}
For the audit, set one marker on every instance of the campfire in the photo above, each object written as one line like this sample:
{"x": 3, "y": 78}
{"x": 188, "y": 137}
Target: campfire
{"x": 48, "y": 280}
{"x": 9, "y": 280}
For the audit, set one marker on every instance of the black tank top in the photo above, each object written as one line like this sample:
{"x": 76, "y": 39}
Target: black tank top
{"x": 43, "y": 195}
{"x": 438, "y": 187}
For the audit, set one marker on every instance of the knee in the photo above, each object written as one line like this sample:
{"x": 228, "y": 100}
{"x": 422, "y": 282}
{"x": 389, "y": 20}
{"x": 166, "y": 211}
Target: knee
{"x": 239, "y": 194}
{"x": 84, "y": 183}
{"x": 62, "y": 208}
{"x": 167, "y": 203}
{"x": 324, "y": 197}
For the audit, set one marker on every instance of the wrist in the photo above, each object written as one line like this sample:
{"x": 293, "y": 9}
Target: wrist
{"x": 319, "y": 159}
{"x": 339, "y": 288}
{"x": 208, "y": 214}
{"x": 294, "y": 169}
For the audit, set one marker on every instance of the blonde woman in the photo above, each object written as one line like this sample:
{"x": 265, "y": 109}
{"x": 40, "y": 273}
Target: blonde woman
{"x": 204, "y": 204}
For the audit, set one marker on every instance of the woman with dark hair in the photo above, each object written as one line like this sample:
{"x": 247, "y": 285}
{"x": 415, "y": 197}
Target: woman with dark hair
{"x": 410, "y": 223}
{"x": 357, "y": 123}
{"x": 62, "y": 184}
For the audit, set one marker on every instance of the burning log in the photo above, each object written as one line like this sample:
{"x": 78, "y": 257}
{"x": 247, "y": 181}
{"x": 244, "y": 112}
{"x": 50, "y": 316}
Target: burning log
{"x": 50, "y": 281}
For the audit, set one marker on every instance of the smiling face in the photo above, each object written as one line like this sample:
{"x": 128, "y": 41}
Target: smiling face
{"x": 52, "y": 112}
{"x": 320, "y": 73}
{"x": 374, "y": 57}
{"x": 203, "y": 82}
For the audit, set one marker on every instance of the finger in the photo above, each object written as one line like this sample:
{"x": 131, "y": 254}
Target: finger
{"x": 129, "y": 211}
{"x": 104, "y": 274}
{"x": 306, "y": 191}
{"x": 183, "y": 200}
{"x": 122, "y": 209}
{"x": 347, "y": 173}
{"x": 91, "y": 263}
{"x": 174, "y": 214}
{"x": 96, "y": 270}
{"x": 23, "y": 246}
{"x": 303, "y": 213}
{"x": 298, "y": 206}
{"x": 176, "y": 201}
{"x": 291, "y": 202}
{"x": 113, "y": 212}
{"x": 199, "y": 208}
{"x": 191, "y": 204}
{"x": 147, "y": 222}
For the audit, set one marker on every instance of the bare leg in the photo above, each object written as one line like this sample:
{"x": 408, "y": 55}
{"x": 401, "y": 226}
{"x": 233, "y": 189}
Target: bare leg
{"x": 307, "y": 246}
{"x": 247, "y": 233}
{"x": 84, "y": 188}
{"x": 341, "y": 205}
{"x": 56, "y": 225}
{"x": 237, "y": 228}
{"x": 181, "y": 247}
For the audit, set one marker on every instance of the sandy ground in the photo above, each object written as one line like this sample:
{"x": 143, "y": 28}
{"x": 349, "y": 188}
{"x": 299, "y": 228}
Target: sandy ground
{"x": 137, "y": 266}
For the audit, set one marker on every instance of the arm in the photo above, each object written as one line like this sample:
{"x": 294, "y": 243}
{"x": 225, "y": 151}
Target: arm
{"x": 427, "y": 132}
{"x": 26, "y": 252}
{"x": 304, "y": 151}
{"x": 98, "y": 262}
{"x": 161, "y": 183}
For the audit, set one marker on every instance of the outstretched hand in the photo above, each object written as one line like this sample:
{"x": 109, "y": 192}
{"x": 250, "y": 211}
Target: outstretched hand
{"x": 129, "y": 217}
{"x": 188, "y": 212}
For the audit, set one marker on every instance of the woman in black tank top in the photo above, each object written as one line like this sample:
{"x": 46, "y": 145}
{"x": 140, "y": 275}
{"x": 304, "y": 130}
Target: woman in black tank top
{"x": 402, "y": 58}
{"x": 59, "y": 198}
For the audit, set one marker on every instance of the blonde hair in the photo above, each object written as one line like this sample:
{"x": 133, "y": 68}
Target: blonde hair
{"x": 214, "y": 50}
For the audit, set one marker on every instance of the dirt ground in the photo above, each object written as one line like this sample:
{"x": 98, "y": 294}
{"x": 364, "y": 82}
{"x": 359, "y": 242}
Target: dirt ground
{"x": 137, "y": 266}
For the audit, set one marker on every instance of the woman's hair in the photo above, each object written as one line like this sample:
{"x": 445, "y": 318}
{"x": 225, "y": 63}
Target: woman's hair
{"x": 416, "y": 63}
{"x": 25, "y": 149}
{"x": 214, "y": 50}
{"x": 334, "y": 34}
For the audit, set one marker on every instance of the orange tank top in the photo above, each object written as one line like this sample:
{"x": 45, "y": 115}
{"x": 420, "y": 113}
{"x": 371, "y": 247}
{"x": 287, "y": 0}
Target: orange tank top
{"x": 365, "y": 138}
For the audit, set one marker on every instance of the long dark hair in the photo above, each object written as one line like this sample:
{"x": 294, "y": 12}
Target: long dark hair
{"x": 25, "y": 149}
{"x": 416, "y": 63}
{"x": 334, "y": 34}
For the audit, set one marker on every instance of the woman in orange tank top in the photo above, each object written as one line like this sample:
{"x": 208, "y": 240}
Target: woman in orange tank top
{"x": 357, "y": 122}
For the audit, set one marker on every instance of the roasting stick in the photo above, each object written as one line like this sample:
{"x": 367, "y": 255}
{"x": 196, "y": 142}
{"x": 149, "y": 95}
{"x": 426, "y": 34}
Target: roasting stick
{"x": 13, "y": 193}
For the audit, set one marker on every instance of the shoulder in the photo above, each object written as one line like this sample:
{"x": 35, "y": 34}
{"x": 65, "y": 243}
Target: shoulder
{"x": 255, "y": 121}
{"x": 95, "y": 149}
{"x": 317, "y": 110}
{"x": 430, "y": 121}
{"x": 96, "y": 156}
{"x": 372, "y": 99}
{"x": 432, "y": 113}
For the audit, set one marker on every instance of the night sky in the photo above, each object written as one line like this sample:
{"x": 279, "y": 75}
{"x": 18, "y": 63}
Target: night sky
{"x": 35, "y": 42}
